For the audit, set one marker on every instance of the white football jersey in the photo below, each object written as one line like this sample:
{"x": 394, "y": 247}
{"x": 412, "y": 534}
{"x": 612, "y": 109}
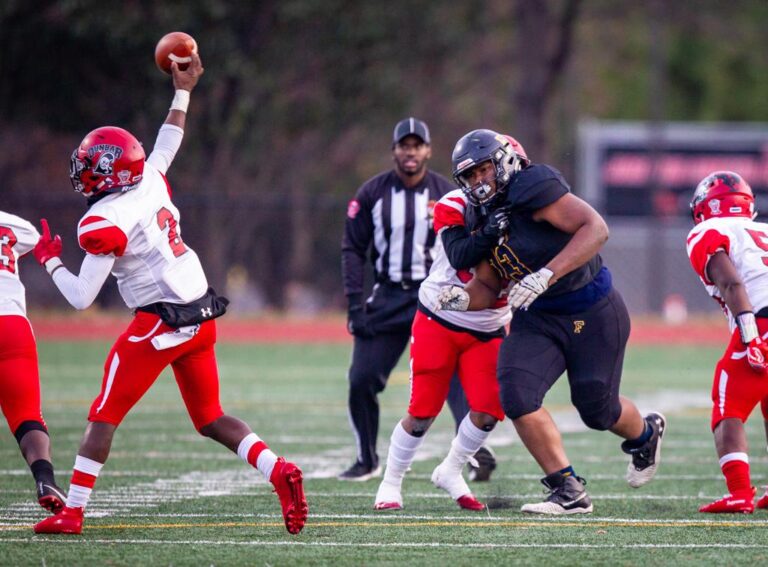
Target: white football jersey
{"x": 450, "y": 210}
{"x": 17, "y": 237}
{"x": 141, "y": 228}
{"x": 746, "y": 243}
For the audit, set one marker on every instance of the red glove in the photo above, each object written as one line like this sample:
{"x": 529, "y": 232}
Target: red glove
{"x": 757, "y": 355}
{"x": 47, "y": 247}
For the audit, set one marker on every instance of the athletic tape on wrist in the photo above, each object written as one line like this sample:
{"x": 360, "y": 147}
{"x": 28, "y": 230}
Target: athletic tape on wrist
{"x": 747, "y": 326}
{"x": 53, "y": 264}
{"x": 180, "y": 100}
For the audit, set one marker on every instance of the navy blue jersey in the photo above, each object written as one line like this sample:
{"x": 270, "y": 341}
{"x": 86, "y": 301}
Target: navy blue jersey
{"x": 530, "y": 245}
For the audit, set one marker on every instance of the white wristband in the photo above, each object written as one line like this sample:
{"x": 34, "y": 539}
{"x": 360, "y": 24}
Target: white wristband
{"x": 180, "y": 100}
{"x": 747, "y": 327}
{"x": 52, "y": 263}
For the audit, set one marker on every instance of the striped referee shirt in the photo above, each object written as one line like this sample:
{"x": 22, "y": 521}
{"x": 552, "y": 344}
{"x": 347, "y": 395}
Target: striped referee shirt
{"x": 395, "y": 223}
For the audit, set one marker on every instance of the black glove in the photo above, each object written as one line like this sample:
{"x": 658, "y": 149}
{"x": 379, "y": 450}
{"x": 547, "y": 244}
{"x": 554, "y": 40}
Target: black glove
{"x": 357, "y": 320}
{"x": 497, "y": 223}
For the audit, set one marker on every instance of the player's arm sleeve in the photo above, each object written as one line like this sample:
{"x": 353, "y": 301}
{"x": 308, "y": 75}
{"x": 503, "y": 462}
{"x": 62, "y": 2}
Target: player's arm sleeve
{"x": 358, "y": 234}
{"x": 81, "y": 290}
{"x": 702, "y": 246}
{"x": 167, "y": 144}
{"x": 463, "y": 248}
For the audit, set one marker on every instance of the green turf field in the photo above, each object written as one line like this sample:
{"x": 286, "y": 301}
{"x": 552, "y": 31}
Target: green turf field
{"x": 170, "y": 497}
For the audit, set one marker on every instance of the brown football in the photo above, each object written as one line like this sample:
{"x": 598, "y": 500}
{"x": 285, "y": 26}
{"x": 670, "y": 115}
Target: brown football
{"x": 174, "y": 46}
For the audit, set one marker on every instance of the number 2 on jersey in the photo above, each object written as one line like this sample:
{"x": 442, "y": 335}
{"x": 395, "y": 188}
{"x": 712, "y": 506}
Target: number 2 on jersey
{"x": 165, "y": 219}
{"x": 761, "y": 239}
{"x": 7, "y": 257}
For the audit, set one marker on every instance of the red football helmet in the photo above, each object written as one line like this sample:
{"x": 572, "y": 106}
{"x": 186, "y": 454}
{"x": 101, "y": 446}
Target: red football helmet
{"x": 518, "y": 148}
{"x": 108, "y": 160}
{"x": 722, "y": 194}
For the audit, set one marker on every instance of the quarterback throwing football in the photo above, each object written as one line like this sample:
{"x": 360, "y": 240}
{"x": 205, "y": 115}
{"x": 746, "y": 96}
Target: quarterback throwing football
{"x": 132, "y": 230}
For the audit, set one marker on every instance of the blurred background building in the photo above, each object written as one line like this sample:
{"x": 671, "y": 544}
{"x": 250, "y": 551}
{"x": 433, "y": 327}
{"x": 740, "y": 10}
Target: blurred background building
{"x": 633, "y": 101}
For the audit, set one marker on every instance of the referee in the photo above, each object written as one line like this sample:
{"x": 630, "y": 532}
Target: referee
{"x": 391, "y": 215}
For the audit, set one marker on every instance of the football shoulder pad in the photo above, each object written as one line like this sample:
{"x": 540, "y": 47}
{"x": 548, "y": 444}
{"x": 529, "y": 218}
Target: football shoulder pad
{"x": 702, "y": 245}
{"x": 97, "y": 235}
{"x": 450, "y": 210}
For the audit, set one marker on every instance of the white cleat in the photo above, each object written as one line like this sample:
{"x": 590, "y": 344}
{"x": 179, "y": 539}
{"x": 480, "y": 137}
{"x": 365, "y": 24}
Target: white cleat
{"x": 388, "y": 497}
{"x": 454, "y": 484}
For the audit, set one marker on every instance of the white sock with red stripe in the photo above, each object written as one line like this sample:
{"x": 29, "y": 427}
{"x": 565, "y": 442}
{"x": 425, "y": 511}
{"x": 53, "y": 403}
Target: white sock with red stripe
{"x": 402, "y": 450}
{"x": 84, "y": 476}
{"x": 257, "y": 454}
{"x": 469, "y": 438}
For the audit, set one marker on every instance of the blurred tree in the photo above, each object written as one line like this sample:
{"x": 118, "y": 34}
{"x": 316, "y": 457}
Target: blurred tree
{"x": 300, "y": 96}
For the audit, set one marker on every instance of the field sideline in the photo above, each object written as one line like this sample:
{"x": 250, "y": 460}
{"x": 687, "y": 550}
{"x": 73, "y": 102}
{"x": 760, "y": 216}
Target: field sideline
{"x": 332, "y": 329}
{"x": 167, "y": 496}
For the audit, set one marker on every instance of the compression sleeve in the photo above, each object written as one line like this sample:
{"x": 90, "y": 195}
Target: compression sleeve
{"x": 466, "y": 250}
{"x": 82, "y": 289}
{"x": 167, "y": 144}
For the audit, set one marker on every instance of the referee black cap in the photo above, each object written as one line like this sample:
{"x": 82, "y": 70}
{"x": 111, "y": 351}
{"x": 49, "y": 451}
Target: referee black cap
{"x": 411, "y": 127}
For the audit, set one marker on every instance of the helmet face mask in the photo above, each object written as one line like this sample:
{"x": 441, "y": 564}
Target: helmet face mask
{"x": 108, "y": 160}
{"x": 722, "y": 194}
{"x": 479, "y": 147}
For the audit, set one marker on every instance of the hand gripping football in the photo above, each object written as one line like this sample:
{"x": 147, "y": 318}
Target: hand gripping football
{"x": 174, "y": 46}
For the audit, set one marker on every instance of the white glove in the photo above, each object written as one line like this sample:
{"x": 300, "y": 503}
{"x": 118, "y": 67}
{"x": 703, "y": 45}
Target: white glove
{"x": 452, "y": 298}
{"x": 529, "y": 288}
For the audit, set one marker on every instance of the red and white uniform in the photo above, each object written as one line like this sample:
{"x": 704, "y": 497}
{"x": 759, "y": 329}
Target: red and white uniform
{"x": 438, "y": 350}
{"x": 137, "y": 237}
{"x": 737, "y": 388}
{"x": 19, "y": 379}
{"x": 450, "y": 211}
{"x": 17, "y": 237}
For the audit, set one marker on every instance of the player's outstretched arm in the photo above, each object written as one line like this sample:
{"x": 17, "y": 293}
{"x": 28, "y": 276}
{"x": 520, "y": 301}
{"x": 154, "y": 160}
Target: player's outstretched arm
{"x": 172, "y": 131}
{"x": 81, "y": 290}
{"x": 184, "y": 82}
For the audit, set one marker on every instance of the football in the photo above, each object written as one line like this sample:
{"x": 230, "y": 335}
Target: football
{"x": 174, "y": 46}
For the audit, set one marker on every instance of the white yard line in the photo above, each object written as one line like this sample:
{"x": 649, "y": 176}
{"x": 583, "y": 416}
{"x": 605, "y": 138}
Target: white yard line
{"x": 406, "y": 545}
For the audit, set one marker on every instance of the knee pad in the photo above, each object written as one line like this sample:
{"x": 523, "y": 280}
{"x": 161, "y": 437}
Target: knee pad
{"x": 518, "y": 400}
{"x": 26, "y": 427}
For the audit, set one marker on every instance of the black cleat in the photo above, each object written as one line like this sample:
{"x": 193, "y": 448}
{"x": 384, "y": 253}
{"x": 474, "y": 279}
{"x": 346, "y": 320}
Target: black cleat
{"x": 481, "y": 465}
{"x": 359, "y": 472}
{"x": 646, "y": 459}
{"x": 50, "y": 496}
{"x": 567, "y": 495}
